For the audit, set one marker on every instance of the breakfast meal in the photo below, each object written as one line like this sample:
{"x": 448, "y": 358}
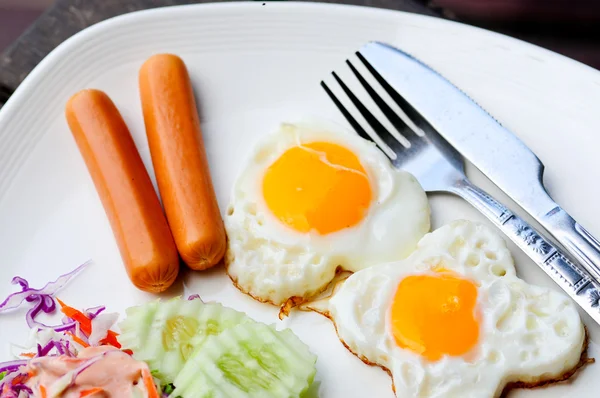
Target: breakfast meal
{"x": 125, "y": 189}
{"x": 179, "y": 159}
{"x": 453, "y": 319}
{"x": 443, "y": 312}
{"x": 310, "y": 201}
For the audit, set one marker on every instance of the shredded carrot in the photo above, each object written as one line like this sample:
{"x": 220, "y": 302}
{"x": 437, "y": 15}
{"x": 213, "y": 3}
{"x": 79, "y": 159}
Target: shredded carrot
{"x": 91, "y": 391}
{"x": 111, "y": 339}
{"x": 27, "y": 354}
{"x": 43, "y": 391}
{"x": 128, "y": 351}
{"x": 78, "y": 340}
{"x": 149, "y": 384}
{"x": 20, "y": 379}
{"x": 85, "y": 323}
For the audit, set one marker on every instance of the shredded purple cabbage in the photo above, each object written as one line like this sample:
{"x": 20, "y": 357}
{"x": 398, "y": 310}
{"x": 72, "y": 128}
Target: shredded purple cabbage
{"x": 67, "y": 327}
{"x": 61, "y": 347}
{"x": 94, "y": 311}
{"x": 43, "y": 301}
{"x": 69, "y": 350}
{"x": 194, "y": 297}
{"x": 14, "y": 300}
{"x": 15, "y": 391}
{"x": 22, "y": 387}
{"x": 12, "y": 366}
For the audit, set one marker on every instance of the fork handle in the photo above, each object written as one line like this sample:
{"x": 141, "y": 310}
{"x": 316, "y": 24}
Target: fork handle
{"x": 576, "y": 239}
{"x": 571, "y": 277}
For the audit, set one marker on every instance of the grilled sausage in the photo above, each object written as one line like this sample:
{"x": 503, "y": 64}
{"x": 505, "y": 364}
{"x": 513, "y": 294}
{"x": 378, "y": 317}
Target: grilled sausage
{"x": 179, "y": 159}
{"x": 130, "y": 202}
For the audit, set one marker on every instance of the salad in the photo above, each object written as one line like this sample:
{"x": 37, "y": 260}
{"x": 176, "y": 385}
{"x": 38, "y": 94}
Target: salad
{"x": 174, "y": 348}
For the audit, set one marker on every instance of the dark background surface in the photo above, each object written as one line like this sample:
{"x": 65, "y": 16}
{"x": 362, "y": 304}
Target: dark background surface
{"x": 570, "y": 27}
{"x": 66, "y": 17}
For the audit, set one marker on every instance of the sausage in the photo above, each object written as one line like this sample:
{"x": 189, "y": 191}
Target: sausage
{"x": 130, "y": 202}
{"x": 179, "y": 159}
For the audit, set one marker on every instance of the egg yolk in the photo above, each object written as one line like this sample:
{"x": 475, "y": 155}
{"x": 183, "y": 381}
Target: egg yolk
{"x": 434, "y": 315}
{"x": 320, "y": 186}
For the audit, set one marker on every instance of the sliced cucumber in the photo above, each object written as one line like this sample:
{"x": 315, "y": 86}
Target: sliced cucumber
{"x": 165, "y": 334}
{"x": 248, "y": 360}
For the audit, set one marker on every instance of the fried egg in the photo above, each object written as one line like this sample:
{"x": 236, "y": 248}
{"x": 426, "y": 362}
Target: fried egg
{"x": 310, "y": 201}
{"x": 454, "y": 320}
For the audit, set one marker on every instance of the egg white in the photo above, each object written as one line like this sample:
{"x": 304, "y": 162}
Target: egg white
{"x": 273, "y": 262}
{"x": 528, "y": 333}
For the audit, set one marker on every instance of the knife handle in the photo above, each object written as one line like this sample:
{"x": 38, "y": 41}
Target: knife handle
{"x": 571, "y": 277}
{"x": 576, "y": 239}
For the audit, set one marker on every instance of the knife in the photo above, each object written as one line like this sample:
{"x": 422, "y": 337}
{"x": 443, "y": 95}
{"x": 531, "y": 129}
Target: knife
{"x": 493, "y": 149}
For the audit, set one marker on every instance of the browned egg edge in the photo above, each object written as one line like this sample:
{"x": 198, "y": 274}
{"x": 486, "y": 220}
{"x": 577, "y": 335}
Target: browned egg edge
{"x": 583, "y": 361}
{"x": 291, "y": 302}
{"x": 295, "y": 301}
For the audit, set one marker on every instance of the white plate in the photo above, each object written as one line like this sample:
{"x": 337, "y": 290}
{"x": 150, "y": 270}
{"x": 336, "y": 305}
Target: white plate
{"x": 255, "y": 65}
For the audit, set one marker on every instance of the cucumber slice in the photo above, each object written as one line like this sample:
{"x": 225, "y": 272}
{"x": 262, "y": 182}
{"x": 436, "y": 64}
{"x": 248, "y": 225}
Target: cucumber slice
{"x": 248, "y": 360}
{"x": 165, "y": 334}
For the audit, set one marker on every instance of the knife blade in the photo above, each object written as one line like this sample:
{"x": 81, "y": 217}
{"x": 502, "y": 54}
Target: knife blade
{"x": 481, "y": 139}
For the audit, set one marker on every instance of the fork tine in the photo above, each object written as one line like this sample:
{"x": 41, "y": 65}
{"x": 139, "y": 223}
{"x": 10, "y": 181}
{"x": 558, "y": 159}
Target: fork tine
{"x": 355, "y": 125}
{"x": 392, "y": 116}
{"x": 407, "y": 108}
{"x": 383, "y": 133}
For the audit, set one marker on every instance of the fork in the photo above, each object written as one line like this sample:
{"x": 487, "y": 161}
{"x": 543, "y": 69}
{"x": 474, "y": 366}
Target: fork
{"x": 440, "y": 168}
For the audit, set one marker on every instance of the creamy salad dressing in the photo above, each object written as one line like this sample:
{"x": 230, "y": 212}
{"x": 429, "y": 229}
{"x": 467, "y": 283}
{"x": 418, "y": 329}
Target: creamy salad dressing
{"x": 116, "y": 373}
